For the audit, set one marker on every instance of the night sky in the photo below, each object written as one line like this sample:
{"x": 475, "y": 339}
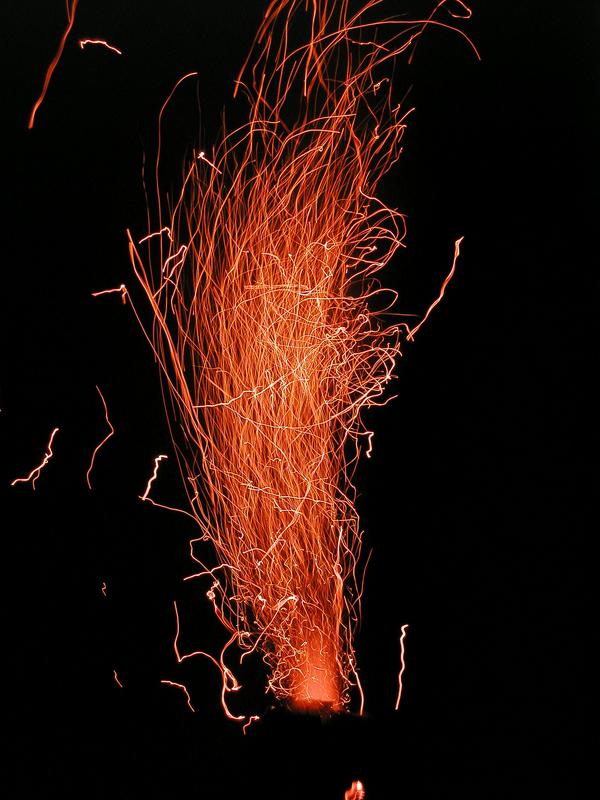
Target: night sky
{"x": 471, "y": 502}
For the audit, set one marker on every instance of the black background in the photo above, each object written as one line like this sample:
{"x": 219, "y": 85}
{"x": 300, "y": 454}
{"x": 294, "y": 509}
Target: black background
{"x": 471, "y": 501}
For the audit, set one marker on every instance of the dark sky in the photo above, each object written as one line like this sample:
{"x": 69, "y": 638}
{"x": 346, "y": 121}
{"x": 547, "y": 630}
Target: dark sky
{"x": 472, "y": 499}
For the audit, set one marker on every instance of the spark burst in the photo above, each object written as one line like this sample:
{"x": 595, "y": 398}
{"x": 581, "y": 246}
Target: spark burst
{"x": 273, "y": 334}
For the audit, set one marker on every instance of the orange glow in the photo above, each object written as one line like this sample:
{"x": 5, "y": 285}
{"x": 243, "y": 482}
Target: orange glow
{"x": 117, "y": 681}
{"x": 84, "y": 42}
{"x": 355, "y": 792}
{"x": 35, "y": 472}
{"x": 403, "y": 630}
{"x": 71, "y": 6}
{"x": 273, "y": 334}
{"x": 103, "y": 442}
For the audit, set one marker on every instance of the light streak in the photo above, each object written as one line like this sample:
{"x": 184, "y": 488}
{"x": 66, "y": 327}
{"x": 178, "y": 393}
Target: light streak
{"x": 152, "y": 478}
{"x": 103, "y": 442}
{"x": 251, "y": 720}
{"x": 403, "y": 630}
{"x": 355, "y": 792}
{"x": 184, "y": 690}
{"x": 412, "y": 331}
{"x": 103, "y": 588}
{"x": 84, "y": 42}
{"x": 273, "y": 335}
{"x": 122, "y": 288}
{"x": 117, "y": 681}
{"x": 35, "y": 472}
{"x": 71, "y": 6}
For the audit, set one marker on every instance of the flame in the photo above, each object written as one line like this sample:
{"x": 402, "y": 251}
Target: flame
{"x": 274, "y": 334}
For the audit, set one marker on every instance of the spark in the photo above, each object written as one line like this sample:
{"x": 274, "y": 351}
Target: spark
{"x": 273, "y": 335}
{"x": 202, "y": 157}
{"x": 106, "y": 438}
{"x": 122, "y": 288}
{"x": 35, "y": 472}
{"x": 102, "y": 42}
{"x": 355, "y": 792}
{"x": 117, "y": 681}
{"x": 166, "y": 230}
{"x": 184, "y": 690}
{"x": 403, "y": 630}
{"x": 152, "y": 478}
{"x": 246, "y": 725}
{"x": 103, "y": 588}
{"x": 71, "y": 6}
{"x": 412, "y": 331}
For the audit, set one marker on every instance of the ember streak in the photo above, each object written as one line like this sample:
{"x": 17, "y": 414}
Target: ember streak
{"x": 273, "y": 334}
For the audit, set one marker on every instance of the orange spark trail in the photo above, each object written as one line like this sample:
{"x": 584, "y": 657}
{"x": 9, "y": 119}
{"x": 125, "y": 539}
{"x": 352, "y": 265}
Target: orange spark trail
{"x": 106, "y": 438}
{"x": 184, "y": 690}
{"x": 152, "y": 478}
{"x": 71, "y": 6}
{"x": 117, "y": 681}
{"x": 122, "y": 288}
{"x": 403, "y": 630}
{"x": 273, "y": 333}
{"x": 84, "y": 42}
{"x": 103, "y": 588}
{"x": 35, "y": 472}
{"x": 412, "y": 331}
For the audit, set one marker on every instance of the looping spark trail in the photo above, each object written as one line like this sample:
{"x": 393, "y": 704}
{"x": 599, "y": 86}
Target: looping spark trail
{"x": 102, "y": 42}
{"x": 71, "y": 6}
{"x": 35, "y": 472}
{"x": 274, "y": 334}
{"x": 103, "y": 442}
{"x": 403, "y": 630}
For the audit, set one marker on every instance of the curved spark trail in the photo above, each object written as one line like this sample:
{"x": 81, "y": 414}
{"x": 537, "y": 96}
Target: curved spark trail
{"x": 71, "y": 6}
{"x": 403, "y": 630}
{"x": 84, "y": 42}
{"x": 103, "y": 442}
{"x": 274, "y": 334}
{"x": 35, "y": 472}
{"x": 184, "y": 690}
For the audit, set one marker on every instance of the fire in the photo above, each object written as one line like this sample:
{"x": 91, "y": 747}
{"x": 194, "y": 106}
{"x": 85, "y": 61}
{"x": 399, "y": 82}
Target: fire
{"x": 274, "y": 334}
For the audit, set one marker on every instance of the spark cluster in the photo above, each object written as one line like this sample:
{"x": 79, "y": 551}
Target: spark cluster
{"x": 274, "y": 334}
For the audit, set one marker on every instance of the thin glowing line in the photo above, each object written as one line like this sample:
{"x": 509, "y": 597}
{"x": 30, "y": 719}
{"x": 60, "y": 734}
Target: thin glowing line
{"x": 84, "y": 42}
{"x": 106, "y": 438}
{"x": 403, "y": 630}
{"x": 35, "y": 472}
{"x": 52, "y": 66}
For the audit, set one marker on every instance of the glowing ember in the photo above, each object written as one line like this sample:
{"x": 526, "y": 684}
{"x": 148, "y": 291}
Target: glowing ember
{"x": 273, "y": 334}
{"x": 355, "y": 792}
{"x": 35, "y": 472}
{"x": 71, "y": 6}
